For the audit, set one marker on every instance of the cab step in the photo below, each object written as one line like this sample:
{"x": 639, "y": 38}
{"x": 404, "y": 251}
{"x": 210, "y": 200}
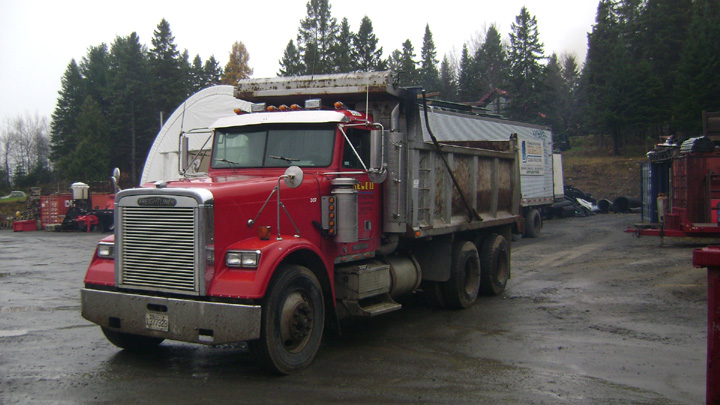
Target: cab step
{"x": 370, "y": 307}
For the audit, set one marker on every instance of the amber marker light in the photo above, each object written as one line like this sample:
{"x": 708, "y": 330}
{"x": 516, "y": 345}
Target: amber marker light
{"x": 238, "y": 111}
{"x": 340, "y": 106}
{"x": 264, "y": 232}
{"x": 295, "y": 107}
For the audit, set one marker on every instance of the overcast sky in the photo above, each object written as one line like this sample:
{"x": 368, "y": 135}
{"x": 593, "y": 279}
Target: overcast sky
{"x": 38, "y": 38}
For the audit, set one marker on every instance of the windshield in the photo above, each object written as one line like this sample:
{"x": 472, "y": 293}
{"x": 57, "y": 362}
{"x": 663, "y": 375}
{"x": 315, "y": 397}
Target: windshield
{"x": 274, "y": 146}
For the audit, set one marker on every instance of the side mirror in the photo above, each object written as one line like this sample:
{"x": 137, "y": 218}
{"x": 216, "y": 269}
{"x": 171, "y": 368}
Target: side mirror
{"x": 115, "y": 178}
{"x": 377, "y": 171}
{"x": 293, "y": 176}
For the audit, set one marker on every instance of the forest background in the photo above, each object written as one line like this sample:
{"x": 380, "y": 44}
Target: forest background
{"x": 652, "y": 67}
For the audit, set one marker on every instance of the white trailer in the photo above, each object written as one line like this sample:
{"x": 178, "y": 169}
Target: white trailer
{"x": 538, "y": 174}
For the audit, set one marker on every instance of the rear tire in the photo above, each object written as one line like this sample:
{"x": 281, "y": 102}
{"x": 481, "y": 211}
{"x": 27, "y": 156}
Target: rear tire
{"x": 293, "y": 318}
{"x": 494, "y": 265}
{"x": 533, "y": 224}
{"x": 131, "y": 342}
{"x": 461, "y": 290}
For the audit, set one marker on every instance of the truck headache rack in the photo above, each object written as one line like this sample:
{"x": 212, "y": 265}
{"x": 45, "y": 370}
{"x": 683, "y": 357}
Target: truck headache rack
{"x": 350, "y": 87}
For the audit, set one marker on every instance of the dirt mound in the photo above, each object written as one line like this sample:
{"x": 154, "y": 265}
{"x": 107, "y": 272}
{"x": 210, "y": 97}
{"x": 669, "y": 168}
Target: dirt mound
{"x": 605, "y": 177}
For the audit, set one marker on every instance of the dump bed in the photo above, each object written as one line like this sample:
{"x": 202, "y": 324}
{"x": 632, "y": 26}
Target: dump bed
{"x": 430, "y": 203}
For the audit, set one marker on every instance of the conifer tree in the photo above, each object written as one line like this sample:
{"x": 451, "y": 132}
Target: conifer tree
{"x": 238, "y": 64}
{"x": 94, "y": 70}
{"x": 448, "y": 80}
{"x": 317, "y": 37}
{"x": 342, "y": 55}
{"x": 212, "y": 72}
{"x": 429, "y": 75}
{"x": 525, "y": 54}
{"x": 169, "y": 78}
{"x": 133, "y": 121}
{"x": 465, "y": 76}
{"x": 72, "y": 94}
{"x": 698, "y": 80}
{"x": 90, "y": 160}
{"x": 409, "y": 75}
{"x": 394, "y": 61}
{"x": 491, "y": 63}
{"x": 365, "y": 51}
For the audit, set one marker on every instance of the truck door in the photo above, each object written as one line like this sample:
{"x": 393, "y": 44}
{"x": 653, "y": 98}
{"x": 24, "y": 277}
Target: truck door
{"x": 369, "y": 193}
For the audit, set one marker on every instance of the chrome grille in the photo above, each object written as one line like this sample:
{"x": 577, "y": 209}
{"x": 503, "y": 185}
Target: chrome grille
{"x": 158, "y": 248}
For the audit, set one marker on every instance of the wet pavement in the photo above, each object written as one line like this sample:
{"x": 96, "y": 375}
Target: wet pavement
{"x": 590, "y": 315}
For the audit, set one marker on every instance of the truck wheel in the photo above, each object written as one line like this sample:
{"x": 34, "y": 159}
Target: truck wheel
{"x": 461, "y": 290}
{"x": 494, "y": 265}
{"x": 131, "y": 342}
{"x": 533, "y": 224}
{"x": 293, "y": 317}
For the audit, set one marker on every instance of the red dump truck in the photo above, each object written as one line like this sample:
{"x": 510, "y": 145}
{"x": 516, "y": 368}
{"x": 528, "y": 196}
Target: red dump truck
{"x": 306, "y": 215}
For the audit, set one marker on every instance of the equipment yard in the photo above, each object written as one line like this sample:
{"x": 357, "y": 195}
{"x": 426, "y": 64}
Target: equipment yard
{"x": 590, "y": 315}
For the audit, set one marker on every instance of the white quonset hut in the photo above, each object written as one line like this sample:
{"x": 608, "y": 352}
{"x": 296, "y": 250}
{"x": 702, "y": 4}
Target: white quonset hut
{"x": 194, "y": 115}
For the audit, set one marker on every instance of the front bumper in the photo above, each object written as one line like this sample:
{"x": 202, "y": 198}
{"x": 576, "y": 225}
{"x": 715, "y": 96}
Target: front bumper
{"x": 187, "y": 320}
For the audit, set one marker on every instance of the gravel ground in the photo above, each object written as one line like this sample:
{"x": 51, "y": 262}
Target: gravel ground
{"x": 591, "y": 315}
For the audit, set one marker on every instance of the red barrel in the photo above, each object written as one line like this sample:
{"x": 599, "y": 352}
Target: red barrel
{"x": 710, "y": 257}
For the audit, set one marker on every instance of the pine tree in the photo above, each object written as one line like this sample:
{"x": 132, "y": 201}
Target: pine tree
{"x": 133, "y": 123}
{"x": 63, "y": 127}
{"x": 238, "y": 66}
{"x": 366, "y": 53}
{"x": 525, "y": 54}
{"x": 465, "y": 76}
{"x": 665, "y": 24}
{"x": 698, "y": 80}
{"x": 429, "y": 75}
{"x": 343, "y": 58}
{"x": 394, "y": 61}
{"x": 212, "y": 72}
{"x": 492, "y": 63}
{"x": 570, "y": 110}
{"x": 94, "y": 69}
{"x": 197, "y": 75}
{"x": 90, "y": 160}
{"x": 317, "y": 37}
{"x": 448, "y": 81}
{"x": 409, "y": 75}
{"x": 551, "y": 90}
{"x": 169, "y": 81}
{"x": 291, "y": 63}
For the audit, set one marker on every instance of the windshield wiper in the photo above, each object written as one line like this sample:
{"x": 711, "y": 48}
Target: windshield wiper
{"x": 287, "y": 159}
{"x": 229, "y": 161}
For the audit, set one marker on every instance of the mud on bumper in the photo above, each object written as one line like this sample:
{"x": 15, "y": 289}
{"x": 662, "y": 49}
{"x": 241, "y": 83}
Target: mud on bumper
{"x": 184, "y": 319}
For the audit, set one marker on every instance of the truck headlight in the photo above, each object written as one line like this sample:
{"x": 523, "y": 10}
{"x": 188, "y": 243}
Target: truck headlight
{"x": 106, "y": 250}
{"x": 242, "y": 258}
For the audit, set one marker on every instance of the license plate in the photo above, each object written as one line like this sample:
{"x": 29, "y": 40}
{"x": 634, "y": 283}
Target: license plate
{"x": 156, "y": 321}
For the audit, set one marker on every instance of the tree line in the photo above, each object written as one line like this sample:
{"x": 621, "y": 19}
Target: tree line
{"x": 651, "y": 69}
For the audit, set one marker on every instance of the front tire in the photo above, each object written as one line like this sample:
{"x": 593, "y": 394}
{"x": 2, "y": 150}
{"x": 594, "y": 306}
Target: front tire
{"x": 293, "y": 318}
{"x": 131, "y": 342}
